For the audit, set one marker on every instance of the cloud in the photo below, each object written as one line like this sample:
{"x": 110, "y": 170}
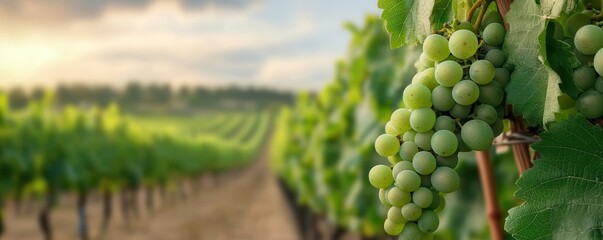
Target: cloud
{"x": 307, "y": 71}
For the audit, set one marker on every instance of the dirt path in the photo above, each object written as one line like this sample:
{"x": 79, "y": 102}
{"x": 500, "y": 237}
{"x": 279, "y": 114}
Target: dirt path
{"x": 244, "y": 204}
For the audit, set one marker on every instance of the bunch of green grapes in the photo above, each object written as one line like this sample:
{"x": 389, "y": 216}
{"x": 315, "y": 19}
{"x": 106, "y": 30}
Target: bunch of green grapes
{"x": 454, "y": 104}
{"x": 588, "y": 48}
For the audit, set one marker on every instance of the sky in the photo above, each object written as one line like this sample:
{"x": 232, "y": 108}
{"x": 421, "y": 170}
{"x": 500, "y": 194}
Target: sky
{"x": 284, "y": 44}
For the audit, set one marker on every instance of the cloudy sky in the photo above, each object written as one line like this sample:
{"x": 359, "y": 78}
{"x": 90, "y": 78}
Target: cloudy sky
{"x": 288, "y": 44}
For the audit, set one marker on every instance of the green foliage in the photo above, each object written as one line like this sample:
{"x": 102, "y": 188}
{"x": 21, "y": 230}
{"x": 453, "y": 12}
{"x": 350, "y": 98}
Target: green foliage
{"x": 563, "y": 192}
{"x": 406, "y": 21}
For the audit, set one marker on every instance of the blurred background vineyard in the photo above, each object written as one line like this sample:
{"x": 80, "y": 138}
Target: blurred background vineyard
{"x": 262, "y": 129}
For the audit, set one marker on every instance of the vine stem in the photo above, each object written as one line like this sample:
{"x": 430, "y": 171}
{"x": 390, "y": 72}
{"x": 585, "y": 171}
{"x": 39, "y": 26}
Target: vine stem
{"x": 503, "y": 7}
{"x": 493, "y": 212}
{"x": 472, "y": 10}
{"x": 482, "y": 12}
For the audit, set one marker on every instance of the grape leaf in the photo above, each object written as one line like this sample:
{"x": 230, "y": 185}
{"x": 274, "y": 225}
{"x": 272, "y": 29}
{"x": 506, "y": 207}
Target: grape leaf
{"x": 443, "y": 11}
{"x": 561, "y": 58}
{"x": 534, "y": 88}
{"x": 405, "y": 20}
{"x": 553, "y": 8}
{"x": 563, "y": 192}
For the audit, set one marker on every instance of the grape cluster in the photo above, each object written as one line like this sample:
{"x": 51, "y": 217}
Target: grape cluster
{"x": 588, "y": 78}
{"x": 454, "y": 104}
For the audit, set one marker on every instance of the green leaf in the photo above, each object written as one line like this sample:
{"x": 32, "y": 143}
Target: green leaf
{"x": 563, "y": 192}
{"x": 534, "y": 88}
{"x": 443, "y": 11}
{"x": 405, "y": 20}
{"x": 561, "y": 58}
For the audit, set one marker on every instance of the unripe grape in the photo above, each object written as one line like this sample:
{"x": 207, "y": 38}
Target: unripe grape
{"x": 423, "y": 140}
{"x": 589, "y": 39}
{"x": 400, "y": 119}
{"x": 391, "y": 130}
{"x": 482, "y": 72}
{"x": 494, "y": 34}
{"x": 463, "y": 44}
{"x": 444, "y": 143}
{"x": 502, "y": 76}
{"x": 491, "y": 94}
{"x": 411, "y": 212}
{"x": 411, "y": 232}
{"x": 436, "y": 200}
{"x": 450, "y": 161}
{"x": 460, "y": 111}
{"x": 489, "y": 18}
{"x": 423, "y": 197}
{"x": 417, "y": 96}
{"x": 497, "y": 127}
{"x": 425, "y": 60}
{"x": 387, "y": 145}
{"x": 424, "y": 162}
{"x": 422, "y": 119}
{"x": 397, "y": 197}
{"x": 428, "y": 222}
{"x": 486, "y": 113}
{"x": 394, "y": 159}
{"x": 590, "y": 104}
{"x": 445, "y": 179}
{"x": 576, "y": 22}
{"x": 401, "y": 166}
{"x": 598, "y": 62}
{"x": 408, "y": 150}
{"x": 394, "y": 214}
{"x": 409, "y": 136}
{"x": 427, "y": 78}
{"x": 448, "y": 73}
{"x": 584, "y": 77}
{"x": 383, "y": 197}
{"x": 477, "y": 134}
{"x": 380, "y": 176}
{"x": 392, "y": 228}
{"x": 496, "y": 57}
{"x": 408, "y": 181}
{"x": 435, "y": 47}
{"x": 599, "y": 84}
{"x": 465, "y": 92}
{"x": 463, "y": 25}
{"x": 442, "y": 98}
{"x": 444, "y": 123}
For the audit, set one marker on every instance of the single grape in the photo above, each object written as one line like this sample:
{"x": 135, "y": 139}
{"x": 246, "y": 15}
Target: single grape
{"x": 450, "y": 161}
{"x": 422, "y": 119}
{"x": 435, "y": 47}
{"x": 489, "y": 18}
{"x": 494, "y": 34}
{"x": 491, "y": 94}
{"x": 463, "y": 44}
{"x": 442, "y": 98}
{"x": 380, "y": 176}
{"x": 408, "y": 181}
{"x": 417, "y": 96}
{"x": 599, "y": 84}
{"x": 497, "y": 127}
{"x": 577, "y": 21}
{"x": 423, "y": 140}
{"x": 423, "y": 197}
{"x": 394, "y": 159}
{"x": 427, "y": 78}
{"x": 444, "y": 143}
{"x": 482, "y": 72}
{"x": 400, "y": 119}
{"x": 460, "y": 111}
{"x": 425, "y": 60}
{"x": 442, "y": 204}
{"x": 411, "y": 232}
{"x": 397, "y": 197}
{"x": 444, "y": 123}
{"x": 465, "y": 92}
{"x": 584, "y": 77}
{"x": 424, "y": 162}
{"x": 590, "y": 104}
{"x": 394, "y": 214}
{"x": 448, "y": 73}
{"x": 486, "y": 113}
{"x": 391, "y": 130}
{"x": 409, "y": 136}
{"x": 502, "y": 76}
{"x": 383, "y": 197}
{"x": 436, "y": 200}
{"x": 477, "y": 134}
{"x": 401, "y": 166}
{"x": 387, "y": 145}
{"x": 392, "y": 228}
{"x": 463, "y": 25}
{"x": 445, "y": 179}
{"x": 496, "y": 57}
{"x": 589, "y": 39}
{"x": 598, "y": 62}
{"x": 428, "y": 222}
{"x": 408, "y": 150}
{"x": 411, "y": 212}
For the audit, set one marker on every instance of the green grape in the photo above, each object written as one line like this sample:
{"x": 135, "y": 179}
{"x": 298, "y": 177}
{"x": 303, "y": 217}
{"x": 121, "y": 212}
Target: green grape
{"x": 442, "y": 204}
{"x": 465, "y": 92}
{"x": 408, "y": 150}
{"x": 444, "y": 123}
{"x": 425, "y": 180}
{"x": 408, "y": 181}
{"x": 394, "y": 159}
{"x": 584, "y": 77}
{"x": 491, "y": 94}
{"x": 502, "y": 76}
{"x": 426, "y": 61}
{"x": 391, "y": 130}
{"x": 497, "y": 127}
{"x": 383, "y": 197}
{"x": 463, "y": 44}
{"x": 397, "y": 197}
{"x": 435, "y": 47}
{"x": 590, "y": 104}
{"x": 494, "y": 34}
{"x": 428, "y": 222}
{"x": 460, "y": 111}
{"x": 482, "y": 72}
{"x": 486, "y": 113}
{"x": 477, "y": 134}
{"x": 463, "y": 25}
{"x": 416, "y": 96}
{"x": 450, "y": 161}
{"x": 380, "y": 176}
{"x": 401, "y": 166}
{"x": 409, "y": 136}
{"x": 411, "y": 232}
{"x": 444, "y": 143}
{"x": 394, "y": 214}
{"x": 441, "y": 98}
{"x": 445, "y": 179}
{"x": 387, "y": 145}
{"x": 436, "y": 200}
{"x": 599, "y": 84}
{"x": 448, "y": 73}
{"x": 427, "y": 78}
{"x": 489, "y": 18}
{"x": 462, "y": 145}
{"x": 577, "y": 21}
{"x": 423, "y": 140}
{"x": 423, "y": 197}
{"x": 392, "y": 228}
{"x": 424, "y": 162}
{"x": 589, "y": 39}
{"x": 598, "y": 62}
{"x": 584, "y": 59}
{"x": 411, "y": 212}
{"x": 400, "y": 119}
{"x": 422, "y": 119}
{"x": 496, "y": 57}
